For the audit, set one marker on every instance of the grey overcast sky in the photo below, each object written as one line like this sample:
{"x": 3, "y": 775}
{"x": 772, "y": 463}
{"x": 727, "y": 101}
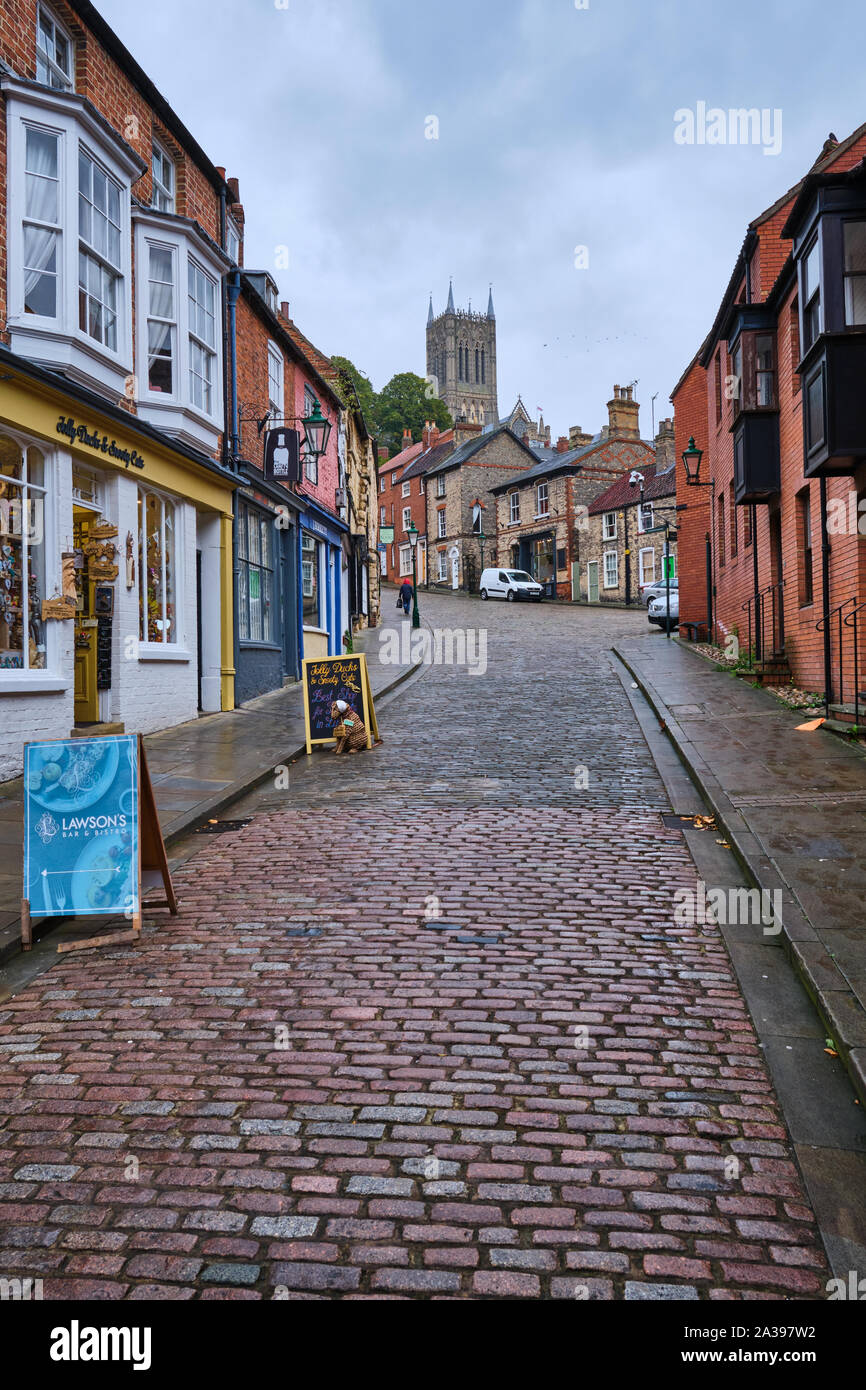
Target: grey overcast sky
{"x": 555, "y": 131}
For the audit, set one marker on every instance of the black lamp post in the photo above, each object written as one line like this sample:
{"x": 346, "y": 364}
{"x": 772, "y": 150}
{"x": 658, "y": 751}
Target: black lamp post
{"x": 692, "y": 462}
{"x": 482, "y": 538}
{"x": 413, "y": 541}
{"x": 692, "y": 459}
{"x": 317, "y": 431}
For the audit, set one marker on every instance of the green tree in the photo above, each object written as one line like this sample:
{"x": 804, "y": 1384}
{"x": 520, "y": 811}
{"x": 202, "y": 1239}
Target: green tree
{"x": 405, "y": 403}
{"x": 363, "y": 385}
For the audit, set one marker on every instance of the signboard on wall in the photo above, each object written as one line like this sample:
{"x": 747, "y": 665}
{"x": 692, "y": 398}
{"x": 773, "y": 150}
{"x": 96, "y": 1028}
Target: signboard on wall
{"x": 331, "y": 678}
{"x": 92, "y": 837}
{"x": 283, "y": 456}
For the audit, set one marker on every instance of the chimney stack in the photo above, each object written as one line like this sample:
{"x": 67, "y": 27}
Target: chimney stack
{"x": 578, "y": 438}
{"x": 430, "y": 436}
{"x": 284, "y": 309}
{"x": 562, "y": 445}
{"x": 623, "y": 411}
{"x": 664, "y": 442}
{"x": 383, "y": 454}
{"x": 407, "y": 440}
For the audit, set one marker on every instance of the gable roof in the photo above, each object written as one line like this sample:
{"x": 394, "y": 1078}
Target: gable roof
{"x": 622, "y": 494}
{"x": 401, "y": 460}
{"x": 425, "y": 461}
{"x": 474, "y": 445}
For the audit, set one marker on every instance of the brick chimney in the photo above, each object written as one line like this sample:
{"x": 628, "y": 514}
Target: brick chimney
{"x": 562, "y": 445}
{"x": 383, "y": 454}
{"x": 284, "y": 310}
{"x": 430, "y": 437}
{"x": 623, "y": 412}
{"x": 664, "y": 442}
{"x": 407, "y": 440}
{"x": 578, "y": 438}
{"x": 464, "y": 431}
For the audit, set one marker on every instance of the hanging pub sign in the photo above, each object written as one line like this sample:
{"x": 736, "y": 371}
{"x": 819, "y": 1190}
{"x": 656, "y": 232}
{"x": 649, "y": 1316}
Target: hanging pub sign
{"x": 92, "y": 839}
{"x": 331, "y": 678}
{"x": 283, "y": 456}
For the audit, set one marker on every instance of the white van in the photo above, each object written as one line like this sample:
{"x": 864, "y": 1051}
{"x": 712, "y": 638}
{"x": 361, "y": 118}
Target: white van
{"x": 511, "y": 585}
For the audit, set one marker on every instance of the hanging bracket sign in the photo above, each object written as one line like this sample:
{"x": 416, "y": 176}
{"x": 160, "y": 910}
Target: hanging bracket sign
{"x": 92, "y": 839}
{"x": 283, "y": 456}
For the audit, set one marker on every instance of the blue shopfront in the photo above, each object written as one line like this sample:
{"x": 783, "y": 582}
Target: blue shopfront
{"x": 321, "y": 622}
{"x": 266, "y": 587}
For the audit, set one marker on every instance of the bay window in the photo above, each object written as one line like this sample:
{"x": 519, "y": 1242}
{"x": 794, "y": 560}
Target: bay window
{"x": 178, "y": 337}
{"x": 157, "y": 569}
{"x": 69, "y": 253}
{"x": 255, "y": 574}
{"x": 810, "y": 296}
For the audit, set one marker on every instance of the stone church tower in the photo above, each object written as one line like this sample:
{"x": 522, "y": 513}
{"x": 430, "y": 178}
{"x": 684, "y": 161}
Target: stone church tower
{"x": 461, "y": 356}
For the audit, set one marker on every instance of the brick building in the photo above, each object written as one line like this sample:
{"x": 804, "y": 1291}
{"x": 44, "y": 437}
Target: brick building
{"x": 401, "y": 503}
{"x": 622, "y": 552}
{"x": 461, "y": 504}
{"x": 114, "y": 245}
{"x": 789, "y": 338}
{"x": 541, "y": 512}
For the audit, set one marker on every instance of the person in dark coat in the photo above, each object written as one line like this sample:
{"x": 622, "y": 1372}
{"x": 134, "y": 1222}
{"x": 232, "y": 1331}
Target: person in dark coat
{"x": 406, "y": 596}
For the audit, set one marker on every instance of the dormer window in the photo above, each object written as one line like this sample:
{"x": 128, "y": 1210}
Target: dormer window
{"x": 163, "y": 180}
{"x": 54, "y": 53}
{"x": 854, "y": 272}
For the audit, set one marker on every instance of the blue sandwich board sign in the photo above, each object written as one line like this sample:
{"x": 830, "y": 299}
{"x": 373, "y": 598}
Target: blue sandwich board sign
{"x": 90, "y": 830}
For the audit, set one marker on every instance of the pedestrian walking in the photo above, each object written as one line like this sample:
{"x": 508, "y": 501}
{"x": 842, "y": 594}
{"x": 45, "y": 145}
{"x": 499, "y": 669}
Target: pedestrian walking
{"x": 405, "y": 598}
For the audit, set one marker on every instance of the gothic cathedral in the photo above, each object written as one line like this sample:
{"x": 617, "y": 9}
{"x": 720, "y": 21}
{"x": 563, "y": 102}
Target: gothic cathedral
{"x": 461, "y": 357}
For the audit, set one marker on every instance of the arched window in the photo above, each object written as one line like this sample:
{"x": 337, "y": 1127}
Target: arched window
{"x": 460, "y": 362}
{"x": 483, "y": 376}
{"x": 477, "y": 365}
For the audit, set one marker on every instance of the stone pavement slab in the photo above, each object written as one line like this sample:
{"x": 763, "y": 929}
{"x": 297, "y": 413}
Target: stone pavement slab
{"x": 793, "y": 805}
{"x": 196, "y": 768}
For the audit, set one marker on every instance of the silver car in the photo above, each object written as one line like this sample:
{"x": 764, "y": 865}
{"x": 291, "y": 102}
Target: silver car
{"x": 657, "y": 590}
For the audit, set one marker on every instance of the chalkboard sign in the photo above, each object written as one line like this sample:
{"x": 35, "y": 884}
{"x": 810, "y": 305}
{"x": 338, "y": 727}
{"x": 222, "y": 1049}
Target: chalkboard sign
{"x": 333, "y": 678}
{"x": 103, "y": 653}
{"x": 90, "y": 829}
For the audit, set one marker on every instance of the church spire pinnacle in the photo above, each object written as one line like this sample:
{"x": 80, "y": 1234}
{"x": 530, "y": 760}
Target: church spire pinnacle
{"x": 450, "y": 309}
{"x": 490, "y": 312}
{"x": 430, "y": 310}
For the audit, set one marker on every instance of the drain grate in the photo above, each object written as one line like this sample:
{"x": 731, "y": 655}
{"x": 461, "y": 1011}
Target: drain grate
{"x": 221, "y": 827}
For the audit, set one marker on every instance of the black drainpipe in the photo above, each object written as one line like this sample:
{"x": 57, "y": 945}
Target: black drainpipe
{"x": 825, "y": 599}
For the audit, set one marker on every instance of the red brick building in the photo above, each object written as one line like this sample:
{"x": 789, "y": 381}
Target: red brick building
{"x": 402, "y": 501}
{"x": 771, "y": 552}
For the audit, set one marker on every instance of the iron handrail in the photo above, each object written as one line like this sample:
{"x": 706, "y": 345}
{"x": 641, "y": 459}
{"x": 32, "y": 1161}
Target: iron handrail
{"x": 852, "y": 621}
{"x": 819, "y": 627}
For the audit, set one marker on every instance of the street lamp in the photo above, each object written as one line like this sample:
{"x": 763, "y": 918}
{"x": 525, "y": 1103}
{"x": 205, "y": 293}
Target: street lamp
{"x": 413, "y": 542}
{"x": 317, "y": 431}
{"x": 692, "y": 459}
{"x": 482, "y": 538}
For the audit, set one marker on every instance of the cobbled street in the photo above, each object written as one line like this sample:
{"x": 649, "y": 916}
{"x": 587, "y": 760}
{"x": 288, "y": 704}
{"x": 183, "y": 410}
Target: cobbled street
{"x": 303, "y": 1086}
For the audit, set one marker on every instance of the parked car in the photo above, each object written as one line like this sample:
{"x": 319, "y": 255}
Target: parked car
{"x": 656, "y": 590}
{"x": 511, "y": 585}
{"x": 658, "y": 612}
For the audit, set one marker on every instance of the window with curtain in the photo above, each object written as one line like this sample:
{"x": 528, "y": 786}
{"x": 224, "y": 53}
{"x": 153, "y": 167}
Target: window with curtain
{"x": 54, "y": 53}
{"x": 157, "y": 568}
{"x": 201, "y": 294}
{"x": 161, "y": 320}
{"x": 99, "y": 250}
{"x": 42, "y": 227}
{"x": 255, "y": 574}
{"x": 22, "y": 556}
{"x": 542, "y": 504}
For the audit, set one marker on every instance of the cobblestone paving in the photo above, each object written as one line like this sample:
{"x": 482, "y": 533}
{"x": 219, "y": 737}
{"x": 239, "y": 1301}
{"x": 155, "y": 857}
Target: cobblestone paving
{"x": 302, "y": 1087}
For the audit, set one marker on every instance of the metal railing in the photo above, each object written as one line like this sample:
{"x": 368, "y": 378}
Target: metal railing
{"x": 837, "y": 613}
{"x": 766, "y": 619}
{"x": 852, "y": 620}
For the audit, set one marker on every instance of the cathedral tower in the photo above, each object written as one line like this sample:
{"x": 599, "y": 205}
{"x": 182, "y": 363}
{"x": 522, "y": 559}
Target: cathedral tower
{"x": 461, "y": 356}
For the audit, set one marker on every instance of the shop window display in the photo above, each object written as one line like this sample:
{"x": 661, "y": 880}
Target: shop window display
{"x": 157, "y": 568}
{"x": 22, "y": 556}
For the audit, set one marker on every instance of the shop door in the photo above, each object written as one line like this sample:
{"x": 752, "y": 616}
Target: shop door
{"x": 592, "y": 581}
{"x": 86, "y": 706}
{"x": 289, "y": 602}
